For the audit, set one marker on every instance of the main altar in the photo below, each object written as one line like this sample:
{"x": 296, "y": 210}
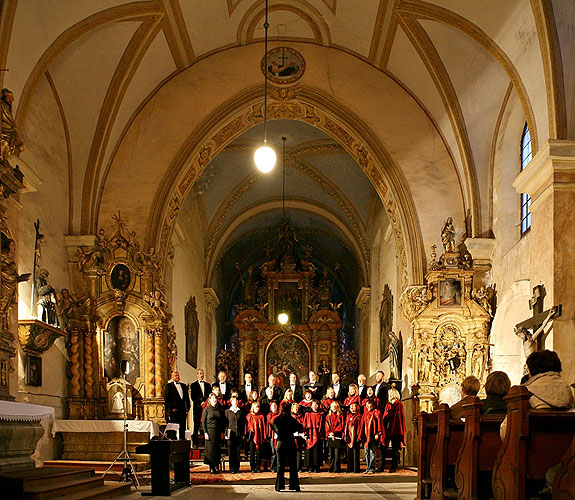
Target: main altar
{"x": 311, "y": 338}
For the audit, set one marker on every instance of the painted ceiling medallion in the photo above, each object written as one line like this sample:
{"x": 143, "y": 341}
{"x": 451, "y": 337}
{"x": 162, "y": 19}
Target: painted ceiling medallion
{"x": 285, "y": 65}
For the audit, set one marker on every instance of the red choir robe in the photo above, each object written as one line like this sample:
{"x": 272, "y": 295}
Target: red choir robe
{"x": 334, "y": 423}
{"x": 256, "y": 428}
{"x": 352, "y": 429}
{"x": 305, "y": 405}
{"x": 350, "y": 400}
{"x": 269, "y": 431}
{"x": 377, "y": 404}
{"x": 325, "y": 404}
{"x": 394, "y": 422}
{"x": 313, "y": 424}
{"x": 371, "y": 425}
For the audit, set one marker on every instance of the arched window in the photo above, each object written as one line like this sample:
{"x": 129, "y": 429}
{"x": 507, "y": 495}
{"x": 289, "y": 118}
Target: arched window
{"x": 525, "y": 198}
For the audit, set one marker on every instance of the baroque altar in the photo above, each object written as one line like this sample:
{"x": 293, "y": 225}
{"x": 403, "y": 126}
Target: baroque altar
{"x": 312, "y": 339}
{"x": 450, "y": 323}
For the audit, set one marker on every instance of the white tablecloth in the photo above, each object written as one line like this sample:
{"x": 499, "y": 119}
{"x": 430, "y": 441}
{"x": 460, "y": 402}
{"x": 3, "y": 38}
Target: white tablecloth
{"x": 105, "y": 426}
{"x": 24, "y": 412}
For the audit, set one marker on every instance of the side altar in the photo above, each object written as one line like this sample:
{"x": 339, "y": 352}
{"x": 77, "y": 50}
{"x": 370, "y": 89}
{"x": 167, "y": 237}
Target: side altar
{"x": 451, "y": 321}
{"x": 311, "y": 338}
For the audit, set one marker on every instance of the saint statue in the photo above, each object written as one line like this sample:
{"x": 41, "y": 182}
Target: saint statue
{"x": 395, "y": 355}
{"x": 448, "y": 235}
{"x": 10, "y": 141}
{"x": 9, "y": 279}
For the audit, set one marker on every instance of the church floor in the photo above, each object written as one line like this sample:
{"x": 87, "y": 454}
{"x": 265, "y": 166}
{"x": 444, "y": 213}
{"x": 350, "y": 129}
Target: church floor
{"x": 400, "y": 486}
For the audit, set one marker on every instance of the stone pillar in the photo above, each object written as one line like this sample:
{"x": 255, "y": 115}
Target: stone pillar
{"x": 363, "y": 302}
{"x": 212, "y": 302}
{"x": 481, "y": 250}
{"x": 550, "y": 181}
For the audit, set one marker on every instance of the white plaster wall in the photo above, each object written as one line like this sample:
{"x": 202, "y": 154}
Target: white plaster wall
{"x": 188, "y": 279}
{"x": 45, "y": 171}
{"x": 511, "y": 257}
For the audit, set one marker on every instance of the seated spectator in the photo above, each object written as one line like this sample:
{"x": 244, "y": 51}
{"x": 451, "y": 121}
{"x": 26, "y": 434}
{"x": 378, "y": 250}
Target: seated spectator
{"x": 469, "y": 387}
{"x": 545, "y": 383}
{"x": 496, "y": 387}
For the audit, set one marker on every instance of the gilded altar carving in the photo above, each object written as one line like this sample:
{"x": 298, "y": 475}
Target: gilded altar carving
{"x": 37, "y": 337}
{"x": 122, "y": 314}
{"x": 450, "y": 322}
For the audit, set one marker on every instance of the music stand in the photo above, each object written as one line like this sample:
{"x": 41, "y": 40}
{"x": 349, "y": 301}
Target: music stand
{"x": 128, "y": 471}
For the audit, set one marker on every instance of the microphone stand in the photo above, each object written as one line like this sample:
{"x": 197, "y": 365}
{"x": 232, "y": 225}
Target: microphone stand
{"x": 128, "y": 471}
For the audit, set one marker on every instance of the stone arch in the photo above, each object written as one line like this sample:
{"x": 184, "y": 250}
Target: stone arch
{"x": 317, "y": 109}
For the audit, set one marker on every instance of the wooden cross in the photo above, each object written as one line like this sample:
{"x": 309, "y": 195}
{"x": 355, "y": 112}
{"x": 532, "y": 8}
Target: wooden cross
{"x": 539, "y": 315}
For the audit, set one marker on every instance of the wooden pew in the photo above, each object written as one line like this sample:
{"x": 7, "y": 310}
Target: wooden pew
{"x": 445, "y": 453}
{"x": 427, "y": 432}
{"x": 564, "y": 482}
{"x": 478, "y": 452}
{"x": 535, "y": 440}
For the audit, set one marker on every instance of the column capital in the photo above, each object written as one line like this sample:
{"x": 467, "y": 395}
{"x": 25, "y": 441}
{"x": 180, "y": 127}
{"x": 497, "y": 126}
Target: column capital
{"x": 363, "y": 298}
{"x": 552, "y": 168}
{"x": 212, "y": 301}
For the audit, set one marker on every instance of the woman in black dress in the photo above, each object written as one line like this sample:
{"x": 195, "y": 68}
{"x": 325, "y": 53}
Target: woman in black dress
{"x": 213, "y": 424}
{"x": 285, "y": 426}
{"x": 234, "y": 433}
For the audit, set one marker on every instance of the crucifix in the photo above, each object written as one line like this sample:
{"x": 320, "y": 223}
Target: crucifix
{"x": 535, "y": 340}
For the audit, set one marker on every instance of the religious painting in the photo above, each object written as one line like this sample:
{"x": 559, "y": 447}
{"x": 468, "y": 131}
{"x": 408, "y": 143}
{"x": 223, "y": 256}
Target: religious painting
{"x": 286, "y": 354}
{"x": 192, "y": 328}
{"x": 450, "y": 292}
{"x": 288, "y": 299}
{"x": 120, "y": 277}
{"x": 33, "y": 370}
{"x": 385, "y": 322}
{"x": 121, "y": 343}
{"x": 285, "y": 65}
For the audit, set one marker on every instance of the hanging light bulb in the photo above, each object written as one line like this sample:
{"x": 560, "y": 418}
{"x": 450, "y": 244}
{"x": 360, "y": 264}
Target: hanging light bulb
{"x": 283, "y": 318}
{"x": 265, "y": 158}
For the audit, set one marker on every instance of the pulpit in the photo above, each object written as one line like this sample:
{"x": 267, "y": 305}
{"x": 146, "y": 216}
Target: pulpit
{"x": 164, "y": 453}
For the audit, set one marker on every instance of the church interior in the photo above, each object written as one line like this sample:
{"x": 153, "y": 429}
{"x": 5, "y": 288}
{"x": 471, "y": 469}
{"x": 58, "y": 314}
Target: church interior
{"x": 418, "y": 219}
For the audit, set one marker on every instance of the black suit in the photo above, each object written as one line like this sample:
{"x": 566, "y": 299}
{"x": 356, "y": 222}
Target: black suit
{"x": 244, "y": 394}
{"x": 342, "y": 394}
{"x": 363, "y": 392}
{"x": 382, "y": 395}
{"x": 177, "y": 407}
{"x": 316, "y": 390}
{"x": 198, "y": 397}
{"x": 278, "y": 396}
{"x": 285, "y": 426}
{"x": 225, "y": 394}
{"x": 297, "y": 392}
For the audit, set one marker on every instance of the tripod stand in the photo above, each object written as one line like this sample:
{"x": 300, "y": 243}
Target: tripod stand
{"x": 128, "y": 471}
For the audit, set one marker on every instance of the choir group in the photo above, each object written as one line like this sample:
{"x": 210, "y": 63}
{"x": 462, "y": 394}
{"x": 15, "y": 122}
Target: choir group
{"x": 334, "y": 425}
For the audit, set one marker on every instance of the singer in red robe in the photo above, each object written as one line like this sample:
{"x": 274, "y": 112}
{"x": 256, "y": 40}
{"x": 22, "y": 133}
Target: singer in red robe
{"x": 394, "y": 424}
{"x": 314, "y": 426}
{"x": 257, "y": 436}
{"x": 372, "y": 434}
{"x": 334, "y": 424}
{"x": 351, "y": 437}
{"x": 271, "y": 435}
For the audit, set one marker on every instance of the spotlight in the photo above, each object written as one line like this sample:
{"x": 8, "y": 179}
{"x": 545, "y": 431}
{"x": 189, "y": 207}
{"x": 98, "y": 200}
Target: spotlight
{"x": 283, "y": 318}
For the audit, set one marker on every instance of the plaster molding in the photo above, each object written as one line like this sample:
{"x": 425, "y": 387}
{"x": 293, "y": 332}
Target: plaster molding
{"x": 363, "y": 300}
{"x": 177, "y": 35}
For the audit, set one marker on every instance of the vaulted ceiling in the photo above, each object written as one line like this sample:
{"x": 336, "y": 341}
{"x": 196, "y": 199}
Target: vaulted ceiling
{"x": 134, "y": 89}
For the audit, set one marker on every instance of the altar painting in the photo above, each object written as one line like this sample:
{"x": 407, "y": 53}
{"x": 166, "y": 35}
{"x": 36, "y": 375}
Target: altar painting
{"x": 288, "y": 299}
{"x": 121, "y": 342}
{"x": 287, "y": 354}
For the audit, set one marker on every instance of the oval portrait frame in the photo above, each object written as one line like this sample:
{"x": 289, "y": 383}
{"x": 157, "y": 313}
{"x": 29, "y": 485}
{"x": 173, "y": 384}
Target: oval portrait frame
{"x": 289, "y": 59}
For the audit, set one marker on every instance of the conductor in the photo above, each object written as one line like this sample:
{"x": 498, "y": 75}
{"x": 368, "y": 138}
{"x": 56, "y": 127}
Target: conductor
{"x": 285, "y": 426}
{"x": 177, "y": 403}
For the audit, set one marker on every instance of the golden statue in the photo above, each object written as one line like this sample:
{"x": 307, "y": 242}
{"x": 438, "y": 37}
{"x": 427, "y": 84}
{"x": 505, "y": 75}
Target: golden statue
{"x": 9, "y": 279}
{"x": 448, "y": 235}
{"x": 10, "y": 142}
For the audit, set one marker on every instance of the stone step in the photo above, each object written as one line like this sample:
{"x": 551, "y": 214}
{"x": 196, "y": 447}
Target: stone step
{"x": 107, "y": 490}
{"x": 63, "y": 489}
{"x": 97, "y": 466}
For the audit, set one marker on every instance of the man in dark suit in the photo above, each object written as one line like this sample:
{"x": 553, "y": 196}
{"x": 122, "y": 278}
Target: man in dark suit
{"x": 380, "y": 390}
{"x": 223, "y": 385}
{"x": 272, "y": 382}
{"x": 339, "y": 389}
{"x": 247, "y": 388}
{"x": 314, "y": 386}
{"x": 295, "y": 387}
{"x": 177, "y": 403}
{"x": 199, "y": 392}
{"x": 362, "y": 386}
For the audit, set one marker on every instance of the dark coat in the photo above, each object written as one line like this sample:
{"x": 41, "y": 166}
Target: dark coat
{"x": 298, "y": 392}
{"x": 175, "y": 405}
{"x": 196, "y": 394}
